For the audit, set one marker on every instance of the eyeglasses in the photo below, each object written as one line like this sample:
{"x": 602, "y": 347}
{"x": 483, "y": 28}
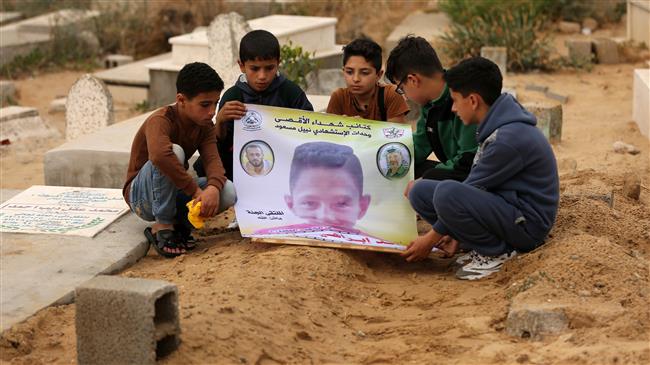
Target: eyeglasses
{"x": 399, "y": 89}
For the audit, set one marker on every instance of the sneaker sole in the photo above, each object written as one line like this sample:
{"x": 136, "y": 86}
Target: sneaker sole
{"x": 473, "y": 275}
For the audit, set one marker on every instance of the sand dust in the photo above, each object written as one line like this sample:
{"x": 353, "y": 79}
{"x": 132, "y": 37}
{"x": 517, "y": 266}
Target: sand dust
{"x": 244, "y": 303}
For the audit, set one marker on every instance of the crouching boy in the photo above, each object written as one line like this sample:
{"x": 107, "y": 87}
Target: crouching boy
{"x": 509, "y": 201}
{"x": 157, "y": 183}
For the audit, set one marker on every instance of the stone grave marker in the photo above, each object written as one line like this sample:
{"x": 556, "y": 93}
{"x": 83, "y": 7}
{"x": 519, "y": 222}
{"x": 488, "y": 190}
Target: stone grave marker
{"x": 224, "y": 34}
{"x": 89, "y": 107}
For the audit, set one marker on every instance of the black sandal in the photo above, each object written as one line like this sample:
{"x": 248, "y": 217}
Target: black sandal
{"x": 163, "y": 238}
{"x": 185, "y": 238}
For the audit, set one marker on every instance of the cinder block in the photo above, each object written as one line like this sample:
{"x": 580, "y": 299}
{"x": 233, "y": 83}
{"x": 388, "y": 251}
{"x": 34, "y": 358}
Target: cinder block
{"x": 549, "y": 119}
{"x": 580, "y": 49}
{"x": 606, "y": 51}
{"x": 126, "y": 321}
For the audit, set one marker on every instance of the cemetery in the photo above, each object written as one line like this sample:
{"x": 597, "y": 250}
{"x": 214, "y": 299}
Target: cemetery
{"x": 81, "y": 284}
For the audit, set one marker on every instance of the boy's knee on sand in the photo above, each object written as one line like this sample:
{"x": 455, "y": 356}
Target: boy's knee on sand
{"x": 228, "y": 196}
{"x": 445, "y": 197}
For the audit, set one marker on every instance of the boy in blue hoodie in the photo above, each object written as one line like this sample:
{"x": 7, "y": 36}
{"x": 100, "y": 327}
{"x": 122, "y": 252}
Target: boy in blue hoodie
{"x": 260, "y": 83}
{"x": 509, "y": 201}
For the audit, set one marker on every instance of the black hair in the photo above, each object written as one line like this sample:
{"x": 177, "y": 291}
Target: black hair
{"x": 412, "y": 55}
{"x": 476, "y": 75}
{"x": 328, "y": 155}
{"x": 197, "y": 77}
{"x": 366, "y": 48}
{"x": 254, "y": 145}
{"x": 259, "y": 45}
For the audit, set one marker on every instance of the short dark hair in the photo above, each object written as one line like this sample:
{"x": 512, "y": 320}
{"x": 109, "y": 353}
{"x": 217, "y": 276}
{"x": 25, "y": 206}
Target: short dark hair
{"x": 366, "y": 48}
{"x": 412, "y": 55}
{"x": 476, "y": 75}
{"x": 197, "y": 77}
{"x": 327, "y": 155}
{"x": 259, "y": 45}
{"x": 254, "y": 145}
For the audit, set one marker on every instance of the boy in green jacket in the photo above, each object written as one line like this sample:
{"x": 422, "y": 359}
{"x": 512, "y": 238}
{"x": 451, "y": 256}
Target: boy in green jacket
{"x": 416, "y": 70}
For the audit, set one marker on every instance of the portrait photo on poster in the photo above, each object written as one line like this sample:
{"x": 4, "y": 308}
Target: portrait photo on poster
{"x": 393, "y": 160}
{"x": 257, "y": 158}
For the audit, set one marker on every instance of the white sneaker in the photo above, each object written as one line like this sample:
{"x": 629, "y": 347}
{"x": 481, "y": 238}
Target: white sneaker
{"x": 463, "y": 259}
{"x": 482, "y": 266}
{"x": 233, "y": 224}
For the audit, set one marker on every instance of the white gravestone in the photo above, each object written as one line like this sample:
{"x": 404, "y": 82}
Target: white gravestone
{"x": 224, "y": 34}
{"x": 89, "y": 107}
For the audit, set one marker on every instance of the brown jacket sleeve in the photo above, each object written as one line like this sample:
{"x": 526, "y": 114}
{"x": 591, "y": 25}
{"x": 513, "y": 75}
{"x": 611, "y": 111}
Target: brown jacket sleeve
{"x": 211, "y": 161}
{"x": 159, "y": 145}
{"x": 395, "y": 104}
{"x": 335, "y": 105}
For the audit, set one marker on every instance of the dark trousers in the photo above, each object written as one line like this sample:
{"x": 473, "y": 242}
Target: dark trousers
{"x": 225, "y": 153}
{"x": 479, "y": 220}
{"x": 427, "y": 170}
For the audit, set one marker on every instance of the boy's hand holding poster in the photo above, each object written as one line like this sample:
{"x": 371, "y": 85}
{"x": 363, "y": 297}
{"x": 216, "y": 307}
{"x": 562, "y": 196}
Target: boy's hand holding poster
{"x": 313, "y": 176}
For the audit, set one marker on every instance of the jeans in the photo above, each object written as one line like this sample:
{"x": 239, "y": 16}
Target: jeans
{"x": 154, "y": 197}
{"x": 479, "y": 220}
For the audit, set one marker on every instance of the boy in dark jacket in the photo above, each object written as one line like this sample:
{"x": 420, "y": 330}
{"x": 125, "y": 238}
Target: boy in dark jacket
{"x": 260, "y": 83}
{"x": 416, "y": 70}
{"x": 510, "y": 199}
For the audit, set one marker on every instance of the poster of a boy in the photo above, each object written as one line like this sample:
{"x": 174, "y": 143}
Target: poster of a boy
{"x": 509, "y": 201}
{"x": 364, "y": 96}
{"x": 157, "y": 182}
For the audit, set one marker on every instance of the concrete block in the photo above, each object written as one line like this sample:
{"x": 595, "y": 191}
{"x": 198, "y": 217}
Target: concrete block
{"x": 549, "y": 119}
{"x": 606, "y": 51}
{"x": 580, "y": 49}
{"x": 98, "y": 160}
{"x": 498, "y": 55}
{"x": 535, "y": 321}
{"x": 535, "y": 87}
{"x": 555, "y": 96}
{"x": 17, "y": 122}
{"x": 569, "y": 27}
{"x": 638, "y": 18}
{"x": 57, "y": 106}
{"x": 640, "y": 101}
{"x": 224, "y": 34}
{"x": 115, "y": 60}
{"x": 125, "y": 320}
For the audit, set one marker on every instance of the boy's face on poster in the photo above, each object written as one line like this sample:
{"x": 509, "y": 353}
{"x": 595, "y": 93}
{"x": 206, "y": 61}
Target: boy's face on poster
{"x": 259, "y": 73}
{"x": 201, "y": 108}
{"x": 325, "y": 196}
{"x": 360, "y": 75}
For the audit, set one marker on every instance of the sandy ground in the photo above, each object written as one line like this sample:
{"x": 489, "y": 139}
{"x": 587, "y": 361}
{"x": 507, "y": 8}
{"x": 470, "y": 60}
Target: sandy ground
{"x": 245, "y": 303}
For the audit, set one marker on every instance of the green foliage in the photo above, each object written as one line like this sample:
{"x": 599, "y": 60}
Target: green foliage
{"x": 296, "y": 63}
{"x": 69, "y": 48}
{"x": 517, "y": 25}
{"x": 142, "y": 106}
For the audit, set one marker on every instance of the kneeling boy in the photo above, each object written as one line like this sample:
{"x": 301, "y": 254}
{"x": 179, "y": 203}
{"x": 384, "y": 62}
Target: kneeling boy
{"x": 157, "y": 183}
{"x": 510, "y": 199}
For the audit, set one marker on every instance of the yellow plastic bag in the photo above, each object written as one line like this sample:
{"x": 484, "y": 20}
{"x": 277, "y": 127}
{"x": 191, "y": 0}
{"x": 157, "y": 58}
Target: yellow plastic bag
{"x": 193, "y": 215}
